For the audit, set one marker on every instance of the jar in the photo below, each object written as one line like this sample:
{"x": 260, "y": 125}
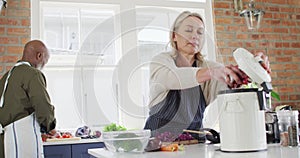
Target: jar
{"x": 288, "y": 127}
{"x": 293, "y": 130}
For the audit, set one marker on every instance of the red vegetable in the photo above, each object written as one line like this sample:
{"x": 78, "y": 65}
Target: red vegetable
{"x": 66, "y": 136}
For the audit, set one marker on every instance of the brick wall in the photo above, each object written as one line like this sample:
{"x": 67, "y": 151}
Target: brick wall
{"x": 14, "y": 32}
{"x": 278, "y": 37}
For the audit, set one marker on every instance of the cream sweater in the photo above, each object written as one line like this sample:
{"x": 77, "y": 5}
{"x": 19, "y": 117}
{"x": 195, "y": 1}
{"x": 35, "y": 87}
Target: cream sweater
{"x": 165, "y": 76}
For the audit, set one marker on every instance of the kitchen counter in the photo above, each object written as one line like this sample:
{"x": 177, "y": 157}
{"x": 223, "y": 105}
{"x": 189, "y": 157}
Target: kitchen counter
{"x": 204, "y": 151}
{"x": 81, "y": 141}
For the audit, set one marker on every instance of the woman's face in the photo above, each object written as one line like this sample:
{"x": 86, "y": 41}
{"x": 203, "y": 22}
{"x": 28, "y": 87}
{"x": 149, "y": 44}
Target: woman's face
{"x": 190, "y": 35}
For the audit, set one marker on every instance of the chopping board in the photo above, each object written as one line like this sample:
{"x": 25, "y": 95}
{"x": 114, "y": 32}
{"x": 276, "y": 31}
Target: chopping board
{"x": 184, "y": 142}
{"x": 62, "y": 139}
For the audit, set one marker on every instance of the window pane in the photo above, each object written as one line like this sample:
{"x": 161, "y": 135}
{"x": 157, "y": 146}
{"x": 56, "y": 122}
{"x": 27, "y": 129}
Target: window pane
{"x": 98, "y": 38}
{"x": 79, "y": 37}
{"x": 100, "y": 103}
{"x": 61, "y": 28}
{"x": 72, "y": 29}
{"x": 60, "y": 85}
{"x": 82, "y": 96}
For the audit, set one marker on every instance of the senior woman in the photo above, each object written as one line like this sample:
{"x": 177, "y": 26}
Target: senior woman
{"x": 182, "y": 82}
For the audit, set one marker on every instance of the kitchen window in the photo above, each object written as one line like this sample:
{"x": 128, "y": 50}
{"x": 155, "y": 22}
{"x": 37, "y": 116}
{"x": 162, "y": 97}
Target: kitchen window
{"x": 100, "y": 52}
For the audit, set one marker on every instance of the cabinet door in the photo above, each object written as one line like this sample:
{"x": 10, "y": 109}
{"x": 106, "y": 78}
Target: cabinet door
{"x": 57, "y": 151}
{"x": 81, "y": 150}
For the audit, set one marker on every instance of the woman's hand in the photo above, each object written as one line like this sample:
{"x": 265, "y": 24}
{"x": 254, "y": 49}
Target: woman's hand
{"x": 230, "y": 74}
{"x": 234, "y": 77}
{"x": 265, "y": 61}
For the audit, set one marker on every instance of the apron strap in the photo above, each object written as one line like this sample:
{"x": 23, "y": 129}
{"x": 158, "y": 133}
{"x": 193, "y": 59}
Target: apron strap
{"x": 6, "y": 81}
{"x": 1, "y": 129}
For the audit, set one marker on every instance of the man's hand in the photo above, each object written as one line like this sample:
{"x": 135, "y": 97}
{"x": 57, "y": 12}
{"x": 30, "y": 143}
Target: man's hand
{"x": 52, "y": 132}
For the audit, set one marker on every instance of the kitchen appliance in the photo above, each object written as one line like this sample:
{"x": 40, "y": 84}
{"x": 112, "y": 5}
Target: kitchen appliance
{"x": 272, "y": 127}
{"x": 242, "y": 111}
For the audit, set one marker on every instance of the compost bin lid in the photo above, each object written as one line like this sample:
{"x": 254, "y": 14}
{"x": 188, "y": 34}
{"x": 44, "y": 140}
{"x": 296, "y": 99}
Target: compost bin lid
{"x": 251, "y": 66}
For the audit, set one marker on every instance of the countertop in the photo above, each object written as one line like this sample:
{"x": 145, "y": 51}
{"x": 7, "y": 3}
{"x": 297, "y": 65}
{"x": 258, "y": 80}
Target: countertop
{"x": 81, "y": 141}
{"x": 204, "y": 151}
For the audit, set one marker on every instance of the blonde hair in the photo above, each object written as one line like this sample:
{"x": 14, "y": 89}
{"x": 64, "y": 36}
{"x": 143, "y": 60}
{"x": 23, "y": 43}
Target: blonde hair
{"x": 181, "y": 17}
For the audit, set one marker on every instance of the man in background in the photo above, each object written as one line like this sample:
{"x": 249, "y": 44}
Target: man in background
{"x": 25, "y": 108}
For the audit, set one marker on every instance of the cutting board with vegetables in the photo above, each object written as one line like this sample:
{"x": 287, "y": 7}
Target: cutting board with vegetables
{"x": 62, "y": 139}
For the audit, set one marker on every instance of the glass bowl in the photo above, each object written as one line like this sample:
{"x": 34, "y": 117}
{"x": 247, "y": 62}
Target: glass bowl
{"x": 126, "y": 141}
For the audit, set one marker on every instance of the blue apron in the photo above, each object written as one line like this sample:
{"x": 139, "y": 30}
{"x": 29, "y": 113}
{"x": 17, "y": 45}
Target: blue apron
{"x": 181, "y": 109}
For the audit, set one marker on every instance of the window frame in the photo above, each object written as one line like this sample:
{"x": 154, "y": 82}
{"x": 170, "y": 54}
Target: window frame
{"x": 130, "y": 4}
